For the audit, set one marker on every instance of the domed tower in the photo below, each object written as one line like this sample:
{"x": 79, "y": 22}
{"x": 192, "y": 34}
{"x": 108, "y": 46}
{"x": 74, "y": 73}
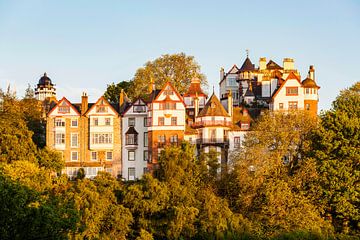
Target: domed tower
{"x": 311, "y": 94}
{"x": 45, "y": 89}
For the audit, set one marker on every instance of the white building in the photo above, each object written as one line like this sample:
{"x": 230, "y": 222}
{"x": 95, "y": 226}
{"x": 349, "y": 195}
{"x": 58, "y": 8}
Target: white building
{"x": 135, "y": 154}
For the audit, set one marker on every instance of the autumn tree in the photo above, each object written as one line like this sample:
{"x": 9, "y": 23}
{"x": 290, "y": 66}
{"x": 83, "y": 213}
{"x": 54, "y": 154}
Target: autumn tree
{"x": 179, "y": 69}
{"x": 336, "y": 147}
{"x": 273, "y": 174}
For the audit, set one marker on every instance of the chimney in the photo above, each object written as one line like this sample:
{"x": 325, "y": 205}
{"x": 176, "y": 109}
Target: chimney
{"x": 312, "y": 72}
{"x": 230, "y": 104}
{"x": 288, "y": 64}
{"x": 196, "y": 103}
{"x": 222, "y": 73}
{"x": 84, "y": 103}
{"x": 151, "y": 85}
{"x": 262, "y": 63}
{"x": 121, "y": 98}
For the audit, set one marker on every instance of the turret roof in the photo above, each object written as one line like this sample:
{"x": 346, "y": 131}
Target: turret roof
{"x": 213, "y": 108}
{"x": 247, "y": 65}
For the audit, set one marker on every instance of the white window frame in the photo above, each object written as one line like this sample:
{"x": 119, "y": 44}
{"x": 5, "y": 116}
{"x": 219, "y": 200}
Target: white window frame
{"x": 77, "y": 140}
{"x": 72, "y": 156}
{"x": 74, "y": 120}
{"x": 107, "y": 156}
{"x": 63, "y": 139}
{"x": 94, "y": 153}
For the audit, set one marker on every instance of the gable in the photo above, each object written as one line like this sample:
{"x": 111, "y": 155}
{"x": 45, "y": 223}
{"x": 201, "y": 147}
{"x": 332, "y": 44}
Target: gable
{"x": 101, "y": 107}
{"x": 63, "y": 108}
{"x": 234, "y": 69}
{"x": 169, "y": 93}
{"x": 137, "y": 107}
{"x": 291, "y": 81}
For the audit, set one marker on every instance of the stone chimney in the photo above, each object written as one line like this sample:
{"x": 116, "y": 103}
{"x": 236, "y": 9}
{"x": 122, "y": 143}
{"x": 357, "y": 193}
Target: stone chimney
{"x": 230, "y": 104}
{"x": 121, "y": 98}
{"x": 196, "y": 104}
{"x": 151, "y": 85}
{"x": 84, "y": 103}
{"x": 288, "y": 64}
{"x": 312, "y": 72}
{"x": 262, "y": 63}
{"x": 222, "y": 73}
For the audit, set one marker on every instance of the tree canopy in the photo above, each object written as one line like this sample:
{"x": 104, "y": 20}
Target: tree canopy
{"x": 178, "y": 68}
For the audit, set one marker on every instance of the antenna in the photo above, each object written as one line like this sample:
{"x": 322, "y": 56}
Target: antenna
{"x": 247, "y": 53}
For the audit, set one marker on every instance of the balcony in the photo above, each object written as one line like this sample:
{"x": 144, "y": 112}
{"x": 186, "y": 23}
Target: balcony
{"x": 208, "y": 123}
{"x": 213, "y": 141}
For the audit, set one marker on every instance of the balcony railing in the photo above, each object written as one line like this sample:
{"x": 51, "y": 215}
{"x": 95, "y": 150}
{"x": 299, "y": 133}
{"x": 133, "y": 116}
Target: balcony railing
{"x": 212, "y": 141}
{"x": 212, "y": 123}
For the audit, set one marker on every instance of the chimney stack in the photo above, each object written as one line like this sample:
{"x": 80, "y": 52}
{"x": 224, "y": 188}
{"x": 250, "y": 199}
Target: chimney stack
{"x": 84, "y": 103}
{"x": 230, "y": 104}
{"x": 121, "y": 98}
{"x": 262, "y": 63}
{"x": 288, "y": 64}
{"x": 151, "y": 85}
{"x": 222, "y": 73}
{"x": 312, "y": 72}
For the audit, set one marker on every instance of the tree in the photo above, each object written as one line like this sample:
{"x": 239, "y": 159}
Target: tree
{"x": 113, "y": 90}
{"x": 179, "y": 69}
{"x": 336, "y": 147}
{"x": 29, "y": 92}
{"x": 273, "y": 174}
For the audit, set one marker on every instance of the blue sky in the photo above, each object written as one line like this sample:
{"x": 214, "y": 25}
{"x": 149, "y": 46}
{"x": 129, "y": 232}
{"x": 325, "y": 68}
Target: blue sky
{"x": 84, "y": 45}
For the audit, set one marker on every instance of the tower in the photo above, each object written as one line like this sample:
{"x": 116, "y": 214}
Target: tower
{"x": 45, "y": 89}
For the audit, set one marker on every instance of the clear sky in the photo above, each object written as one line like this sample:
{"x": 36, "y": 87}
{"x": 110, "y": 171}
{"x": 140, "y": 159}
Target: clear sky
{"x": 85, "y": 45}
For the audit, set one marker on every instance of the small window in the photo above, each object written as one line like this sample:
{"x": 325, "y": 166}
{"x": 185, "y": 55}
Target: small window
{"x": 131, "y": 156}
{"x": 307, "y": 90}
{"x": 74, "y": 122}
{"x": 146, "y": 155}
{"x": 291, "y": 91}
{"x": 161, "y": 121}
{"x": 146, "y": 121}
{"x": 146, "y": 170}
{"x": 60, "y": 138}
{"x": 94, "y": 156}
{"x": 96, "y": 122}
{"x": 146, "y": 139}
{"x": 109, "y": 156}
{"x": 161, "y": 138}
{"x": 131, "y": 173}
{"x": 173, "y": 121}
{"x": 101, "y": 109}
{"x": 74, "y": 156}
{"x": 307, "y": 106}
{"x": 64, "y": 109}
{"x": 236, "y": 142}
{"x": 74, "y": 139}
{"x": 293, "y": 105}
{"x": 174, "y": 139}
{"x": 281, "y": 105}
{"x": 131, "y": 122}
{"x": 107, "y": 121}
{"x": 59, "y": 122}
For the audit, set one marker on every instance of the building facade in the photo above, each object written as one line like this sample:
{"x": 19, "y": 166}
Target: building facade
{"x": 87, "y": 135}
{"x": 127, "y": 139}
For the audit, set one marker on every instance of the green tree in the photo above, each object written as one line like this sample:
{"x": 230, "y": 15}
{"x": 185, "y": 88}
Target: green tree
{"x": 179, "y": 69}
{"x": 29, "y": 210}
{"x": 113, "y": 90}
{"x": 336, "y": 147}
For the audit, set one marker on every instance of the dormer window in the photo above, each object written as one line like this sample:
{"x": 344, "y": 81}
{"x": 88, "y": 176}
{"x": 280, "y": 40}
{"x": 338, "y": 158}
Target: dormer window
{"x": 101, "y": 109}
{"x": 213, "y": 105}
{"x": 168, "y": 91}
{"x": 64, "y": 109}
